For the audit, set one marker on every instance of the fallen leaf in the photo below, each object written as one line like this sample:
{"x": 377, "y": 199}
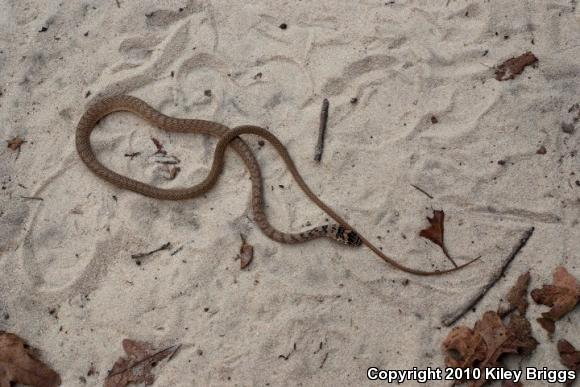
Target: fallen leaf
{"x": 517, "y": 296}
{"x": 435, "y": 232}
{"x": 15, "y": 143}
{"x": 246, "y": 253}
{"x": 137, "y": 366}
{"x": 484, "y": 345}
{"x": 19, "y": 365}
{"x": 569, "y": 357}
{"x": 514, "y": 66}
{"x": 547, "y": 324}
{"x": 562, "y": 296}
{"x": 490, "y": 338}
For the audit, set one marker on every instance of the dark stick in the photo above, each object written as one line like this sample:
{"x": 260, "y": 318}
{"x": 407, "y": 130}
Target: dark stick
{"x": 421, "y": 190}
{"x": 141, "y": 255}
{"x": 31, "y": 197}
{"x": 177, "y": 250}
{"x": 118, "y": 4}
{"x": 321, "y": 131}
{"x": 450, "y": 319}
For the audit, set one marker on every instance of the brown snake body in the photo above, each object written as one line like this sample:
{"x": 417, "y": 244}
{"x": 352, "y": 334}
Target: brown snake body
{"x": 341, "y": 232}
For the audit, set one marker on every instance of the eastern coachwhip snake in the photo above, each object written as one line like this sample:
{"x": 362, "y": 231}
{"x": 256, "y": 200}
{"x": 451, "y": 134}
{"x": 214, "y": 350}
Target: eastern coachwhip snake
{"x": 341, "y": 231}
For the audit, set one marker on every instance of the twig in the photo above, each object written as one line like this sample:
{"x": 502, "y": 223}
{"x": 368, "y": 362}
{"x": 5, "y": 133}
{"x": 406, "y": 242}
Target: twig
{"x": 450, "y": 319}
{"x": 321, "y": 131}
{"x": 177, "y": 250}
{"x": 141, "y": 255}
{"x": 421, "y": 190}
{"x": 131, "y": 155}
{"x": 32, "y": 197}
{"x": 324, "y": 360}
{"x": 173, "y": 353}
{"x": 444, "y": 248}
{"x": 118, "y": 4}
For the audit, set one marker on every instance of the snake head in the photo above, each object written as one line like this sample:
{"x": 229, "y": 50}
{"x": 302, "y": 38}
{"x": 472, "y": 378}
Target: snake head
{"x": 347, "y": 236}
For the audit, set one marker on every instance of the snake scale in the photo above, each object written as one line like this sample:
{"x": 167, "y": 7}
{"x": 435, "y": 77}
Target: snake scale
{"x": 341, "y": 231}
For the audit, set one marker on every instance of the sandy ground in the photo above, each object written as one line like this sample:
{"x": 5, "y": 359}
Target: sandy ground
{"x": 68, "y": 283}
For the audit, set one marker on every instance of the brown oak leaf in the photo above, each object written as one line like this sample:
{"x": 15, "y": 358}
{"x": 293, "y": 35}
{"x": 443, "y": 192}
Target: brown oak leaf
{"x": 562, "y": 296}
{"x": 246, "y": 253}
{"x": 514, "y": 66}
{"x": 518, "y": 294}
{"x": 484, "y": 345}
{"x": 547, "y": 324}
{"x": 137, "y": 366}
{"x": 435, "y": 232}
{"x": 19, "y": 365}
{"x": 569, "y": 357}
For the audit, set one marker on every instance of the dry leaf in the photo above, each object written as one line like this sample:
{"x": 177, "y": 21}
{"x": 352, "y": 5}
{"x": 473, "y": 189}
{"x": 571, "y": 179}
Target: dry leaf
{"x": 246, "y": 253}
{"x": 547, "y": 324}
{"x": 517, "y": 297}
{"x": 15, "y": 143}
{"x": 484, "y": 345}
{"x": 562, "y": 296}
{"x": 514, "y": 66}
{"x": 569, "y": 357}
{"x": 137, "y": 366}
{"x": 435, "y": 232}
{"x": 18, "y": 364}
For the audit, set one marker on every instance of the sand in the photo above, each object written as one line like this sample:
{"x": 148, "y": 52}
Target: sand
{"x": 68, "y": 283}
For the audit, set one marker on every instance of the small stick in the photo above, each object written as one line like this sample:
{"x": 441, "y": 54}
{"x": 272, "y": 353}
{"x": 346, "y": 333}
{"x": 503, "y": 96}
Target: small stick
{"x": 31, "y": 197}
{"x": 421, "y": 190}
{"x": 452, "y": 318}
{"x": 131, "y": 155}
{"x": 118, "y": 4}
{"x": 321, "y": 131}
{"x": 173, "y": 353}
{"x": 141, "y": 255}
{"x": 177, "y": 250}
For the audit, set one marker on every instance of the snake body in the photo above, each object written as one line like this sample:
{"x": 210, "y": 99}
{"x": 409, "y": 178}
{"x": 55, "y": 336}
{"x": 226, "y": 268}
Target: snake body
{"x": 341, "y": 231}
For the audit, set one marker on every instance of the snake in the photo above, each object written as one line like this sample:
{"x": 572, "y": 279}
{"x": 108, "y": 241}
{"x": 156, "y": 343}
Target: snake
{"x": 341, "y": 231}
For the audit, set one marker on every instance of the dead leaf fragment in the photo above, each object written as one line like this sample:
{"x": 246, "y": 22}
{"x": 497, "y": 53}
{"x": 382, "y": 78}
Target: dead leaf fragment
{"x": 517, "y": 297}
{"x": 562, "y": 296}
{"x": 547, "y": 324}
{"x": 435, "y": 232}
{"x": 15, "y": 143}
{"x": 246, "y": 253}
{"x": 137, "y": 366}
{"x": 484, "y": 345}
{"x": 569, "y": 357}
{"x": 19, "y": 365}
{"x": 514, "y": 66}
